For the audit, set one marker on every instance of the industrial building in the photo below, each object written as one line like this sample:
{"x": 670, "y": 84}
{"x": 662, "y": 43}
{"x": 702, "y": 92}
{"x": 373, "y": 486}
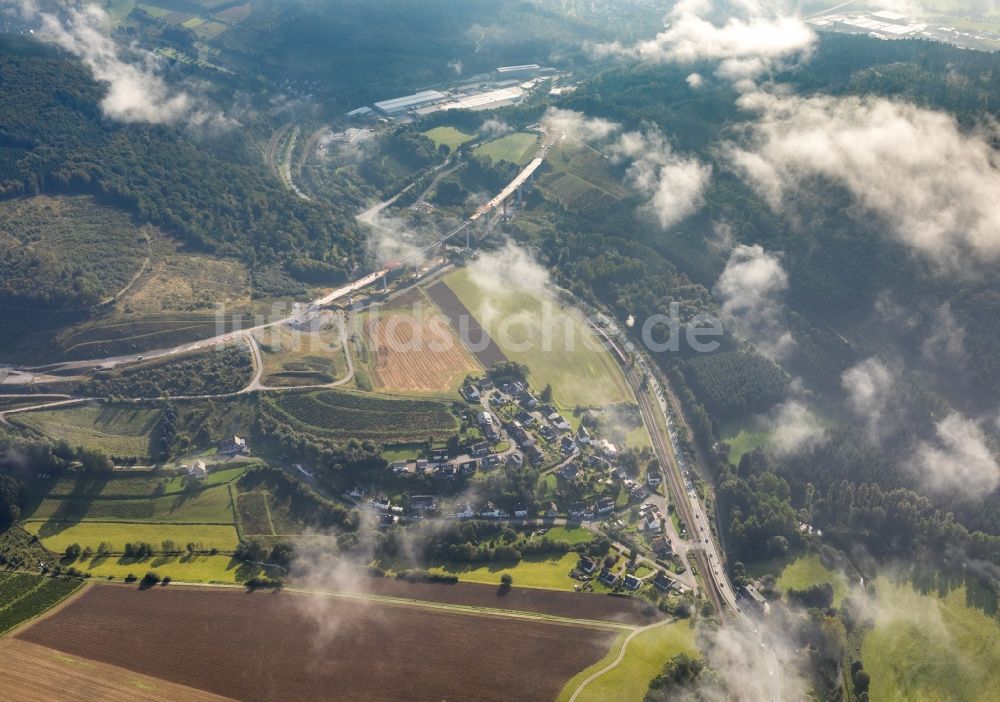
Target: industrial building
{"x": 409, "y": 102}
{"x": 528, "y": 69}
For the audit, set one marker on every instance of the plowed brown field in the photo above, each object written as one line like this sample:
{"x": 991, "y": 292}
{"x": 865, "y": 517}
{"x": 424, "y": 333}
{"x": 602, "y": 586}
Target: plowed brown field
{"x": 289, "y": 646}
{"x": 33, "y": 673}
{"x": 485, "y": 349}
{"x": 416, "y": 352}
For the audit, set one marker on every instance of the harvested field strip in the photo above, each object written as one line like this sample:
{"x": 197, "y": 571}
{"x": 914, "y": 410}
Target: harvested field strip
{"x": 303, "y": 646}
{"x": 33, "y": 673}
{"x": 470, "y": 331}
{"x": 370, "y": 416}
{"x": 416, "y": 352}
{"x": 100, "y": 485}
{"x": 210, "y": 506}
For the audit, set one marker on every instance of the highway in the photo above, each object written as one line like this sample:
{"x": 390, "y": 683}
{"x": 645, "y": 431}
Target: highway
{"x": 300, "y": 314}
{"x": 657, "y": 415}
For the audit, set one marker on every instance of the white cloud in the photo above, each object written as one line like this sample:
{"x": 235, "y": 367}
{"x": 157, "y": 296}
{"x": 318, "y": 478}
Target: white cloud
{"x": 673, "y": 184}
{"x": 794, "y": 428}
{"x": 959, "y": 460}
{"x": 494, "y": 127}
{"x": 135, "y": 92}
{"x": 695, "y": 80}
{"x": 577, "y": 125}
{"x": 935, "y": 186}
{"x": 750, "y": 289}
{"x": 946, "y": 341}
{"x": 747, "y": 37}
{"x": 870, "y": 387}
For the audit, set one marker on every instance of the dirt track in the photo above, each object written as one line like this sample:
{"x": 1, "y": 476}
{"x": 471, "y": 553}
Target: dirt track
{"x": 287, "y": 646}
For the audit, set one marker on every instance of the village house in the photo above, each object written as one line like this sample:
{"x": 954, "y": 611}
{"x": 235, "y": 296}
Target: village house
{"x": 586, "y": 566}
{"x": 356, "y": 492}
{"x": 568, "y": 472}
{"x": 233, "y": 446}
{"x": 467, "y": 467}
{"x": 608, "y": 578}
{"x": 424, "y": 503}
{"x": 515, "y": 460}
{"x": 466, "y": 512}
{"x": 480, "y": 448}
{"x": 632, "y": 583}
{"x": 567, "y": 445}
{"x": 582, "y": 435}
{"x": 520, "y": 510}
{"x": 198, "y": 470}
{"x": 606, "y": 505}
{"x": 661, "y": 547}
{"x": 489, "y": 510}
{"x": 471, "y": 393}
{"x": 653, "y": 478}
{"x": 552, "y": 510}
{"x": 661, "y": 582}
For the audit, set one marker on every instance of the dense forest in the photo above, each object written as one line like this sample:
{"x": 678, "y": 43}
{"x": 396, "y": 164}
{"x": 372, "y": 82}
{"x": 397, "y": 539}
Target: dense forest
{"x": 206, "y": 190}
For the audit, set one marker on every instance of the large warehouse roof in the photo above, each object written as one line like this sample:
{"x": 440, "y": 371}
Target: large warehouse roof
{"x": 407, "y": 101}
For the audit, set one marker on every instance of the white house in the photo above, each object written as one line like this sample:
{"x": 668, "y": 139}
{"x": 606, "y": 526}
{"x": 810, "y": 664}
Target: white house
{"x": 198, "y": 470}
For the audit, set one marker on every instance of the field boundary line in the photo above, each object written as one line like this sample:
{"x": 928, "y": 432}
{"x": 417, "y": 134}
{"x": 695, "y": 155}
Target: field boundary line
{"x": 237, "y": 521}
{"x": 267, "y": 511}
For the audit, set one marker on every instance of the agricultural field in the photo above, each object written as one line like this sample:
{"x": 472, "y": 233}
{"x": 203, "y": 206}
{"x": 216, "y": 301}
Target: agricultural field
{"x": 547, "y": 572}
{"x": 644, "y": 658}
{"x": 293, "y": 357}
{"x": 119, "y": 431}
{"x": 929, "y": 647}
{"x": 131, "y": 483}
{"x": 580, "y": 178}
{"x": 200, "y": 568}
{"x": 255, "y": 513}
{"x": 517, "y": 148}
{"x": 449, "y": 136}
{"x": 482, "y": 347}
{"x": 413, "y": 349}
{"x": 24, "y": 596}
{"x": 809, "y": 570}
{"x": 425, "y": 654}
{"x": 211, "y": 506}
{"x": 554, "y": 343}
{"x": 33, "y": 673}
{"x": 56, "y": 536}
{"x": 339, "y": 414}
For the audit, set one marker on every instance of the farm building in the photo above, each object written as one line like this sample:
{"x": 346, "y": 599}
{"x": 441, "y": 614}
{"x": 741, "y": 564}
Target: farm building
{"x": 198, "y": 470}
{"x": 233, "y": 446}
